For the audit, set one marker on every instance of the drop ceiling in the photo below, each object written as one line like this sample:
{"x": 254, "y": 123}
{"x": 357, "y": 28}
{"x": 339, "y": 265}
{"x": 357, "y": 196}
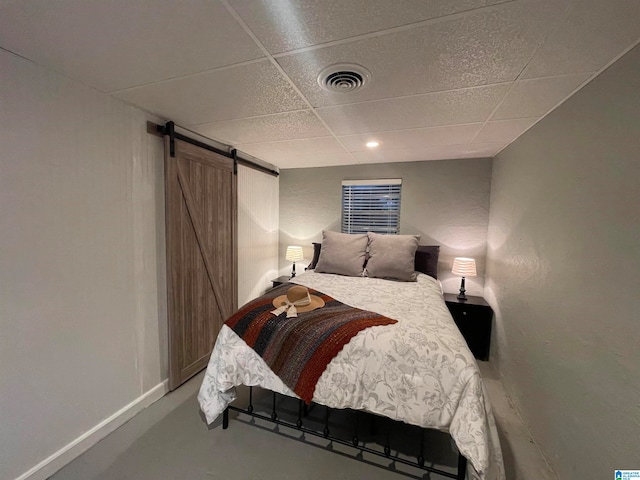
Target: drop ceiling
{"x": 449, "y": 78}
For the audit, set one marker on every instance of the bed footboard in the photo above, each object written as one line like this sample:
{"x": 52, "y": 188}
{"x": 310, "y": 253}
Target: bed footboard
{"x": 354, "y": 442}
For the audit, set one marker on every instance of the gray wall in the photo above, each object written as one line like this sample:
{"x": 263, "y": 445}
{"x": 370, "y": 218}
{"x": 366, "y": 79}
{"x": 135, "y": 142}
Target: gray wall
{"x": 83, "y": 327}
{"x": 446, "y": 202}
{"x": 83, "y": 305}
{"x": 563, "y": 274}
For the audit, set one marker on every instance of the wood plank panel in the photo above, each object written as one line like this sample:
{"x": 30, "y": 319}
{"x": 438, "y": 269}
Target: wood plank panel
{"x": 201, "y": 254}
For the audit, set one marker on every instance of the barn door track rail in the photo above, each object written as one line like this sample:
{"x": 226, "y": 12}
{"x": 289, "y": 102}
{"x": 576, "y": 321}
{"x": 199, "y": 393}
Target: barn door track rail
{"x": 169, "y": 129}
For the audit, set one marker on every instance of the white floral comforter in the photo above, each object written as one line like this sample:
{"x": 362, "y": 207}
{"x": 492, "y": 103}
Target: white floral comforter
{"x": 418, "y": 370}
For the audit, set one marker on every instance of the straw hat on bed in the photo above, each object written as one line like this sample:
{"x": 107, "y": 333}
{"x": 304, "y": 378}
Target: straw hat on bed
{"x": 297, "y": 300}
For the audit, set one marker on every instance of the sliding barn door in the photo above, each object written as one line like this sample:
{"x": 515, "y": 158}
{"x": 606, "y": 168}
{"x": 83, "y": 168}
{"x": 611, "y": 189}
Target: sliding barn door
{"x": 201, "y": 254}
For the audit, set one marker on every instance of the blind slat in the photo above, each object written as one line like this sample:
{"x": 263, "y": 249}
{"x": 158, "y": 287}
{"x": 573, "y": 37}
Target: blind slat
{"x": 373, "y": 207}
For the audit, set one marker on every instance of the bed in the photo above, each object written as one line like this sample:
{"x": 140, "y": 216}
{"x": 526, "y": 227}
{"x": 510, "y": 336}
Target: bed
{"x": 418, "y": 371}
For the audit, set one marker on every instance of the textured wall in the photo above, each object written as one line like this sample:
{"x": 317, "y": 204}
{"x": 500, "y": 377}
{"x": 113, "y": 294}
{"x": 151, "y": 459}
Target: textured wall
{"x": 257, "y": 232}
{"x": 82, "y": 260}
{"x": 563, "y": 275}
{"x": 82, "y": 272}
{"x": 446, "y": 202}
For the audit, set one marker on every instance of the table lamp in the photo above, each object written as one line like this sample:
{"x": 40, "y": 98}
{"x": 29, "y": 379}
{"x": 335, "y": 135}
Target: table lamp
{"x": 465, "y": 267}
{"x": 293, "y": 254}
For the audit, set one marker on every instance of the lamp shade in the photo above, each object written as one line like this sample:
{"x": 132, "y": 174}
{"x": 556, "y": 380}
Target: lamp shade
{"x": 293, "y": 254}
{"x": 465, "y": 267}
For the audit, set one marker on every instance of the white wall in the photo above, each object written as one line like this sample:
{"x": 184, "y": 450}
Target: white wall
{"x": 446, "y": 202}
{"x": 82, "y": 274}
{"x": 563, "y": 275}
{"x": 257, "y": 232}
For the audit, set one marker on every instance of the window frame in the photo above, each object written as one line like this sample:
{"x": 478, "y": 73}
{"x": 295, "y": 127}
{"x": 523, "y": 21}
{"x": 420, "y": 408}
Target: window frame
{"x": 369, "y": 194}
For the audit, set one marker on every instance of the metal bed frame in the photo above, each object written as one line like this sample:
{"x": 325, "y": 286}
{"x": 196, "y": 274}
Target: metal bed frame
{"x": 355, "y": 440}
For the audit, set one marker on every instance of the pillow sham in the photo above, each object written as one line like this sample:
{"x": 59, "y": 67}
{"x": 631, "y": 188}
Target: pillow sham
{"x": 427, "y": 259}
{"x": 392, "y": 256}
{"x": 342, "y": 253}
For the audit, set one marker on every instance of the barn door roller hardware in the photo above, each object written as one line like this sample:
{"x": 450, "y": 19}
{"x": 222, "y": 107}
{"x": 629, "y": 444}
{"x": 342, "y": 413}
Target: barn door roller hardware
{"x": 169, "y": 129}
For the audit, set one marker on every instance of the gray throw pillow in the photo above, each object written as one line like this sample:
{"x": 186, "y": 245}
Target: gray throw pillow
{"x": 342, "y": 253}
{"x": 392, "y": 256}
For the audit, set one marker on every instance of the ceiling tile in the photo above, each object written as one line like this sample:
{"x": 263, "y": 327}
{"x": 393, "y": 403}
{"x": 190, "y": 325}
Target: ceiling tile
{"x": 433, "y": 109}
{"x": 535, "y": 97}
{"x": 308, "y": 161}
{"x": 243, "y": 91}
{"x": 283, "y": 25}
{"x": 417, "y": 137}
{"x": 268, "y": 128}
{"x": 504, "y": 131}
{"x": 117, "y": 44}
{"x": 478, "y": 49}
{"x": 276, "y": 152}
{"x": 595, "y": 33}
{"x": 441, "y": 68}
{"x": 429, "y": 153}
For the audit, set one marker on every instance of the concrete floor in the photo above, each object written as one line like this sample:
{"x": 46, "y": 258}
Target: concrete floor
{"x": 170, "y": 441}
{"x": 522, "y": 457}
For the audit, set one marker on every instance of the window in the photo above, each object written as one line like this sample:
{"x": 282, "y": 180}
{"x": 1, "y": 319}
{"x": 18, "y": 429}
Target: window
{"x": 371, "y": 206}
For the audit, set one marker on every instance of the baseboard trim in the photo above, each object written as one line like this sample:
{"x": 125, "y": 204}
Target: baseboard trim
{"x": 66, "y": 454}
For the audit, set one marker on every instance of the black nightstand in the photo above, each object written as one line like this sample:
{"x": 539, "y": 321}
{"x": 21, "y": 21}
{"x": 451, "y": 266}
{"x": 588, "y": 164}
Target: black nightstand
{"x": 473, "y": 317}
{"x": 280, "y": 280}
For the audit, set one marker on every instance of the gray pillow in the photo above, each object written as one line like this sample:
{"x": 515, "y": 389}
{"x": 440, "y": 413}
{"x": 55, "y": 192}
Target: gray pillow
{"x": 392, "y": 256}
{"x": 342, "y": 253}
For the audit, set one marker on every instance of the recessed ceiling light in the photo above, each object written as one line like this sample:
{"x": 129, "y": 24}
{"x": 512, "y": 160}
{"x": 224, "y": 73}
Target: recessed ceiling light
{"x": 373, "y": 144}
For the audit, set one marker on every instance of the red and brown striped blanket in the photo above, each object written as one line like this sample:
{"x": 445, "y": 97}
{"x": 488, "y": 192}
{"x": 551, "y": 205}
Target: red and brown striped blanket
{"x": 299, "y": 349}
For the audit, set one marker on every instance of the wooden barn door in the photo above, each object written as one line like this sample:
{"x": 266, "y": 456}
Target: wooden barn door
{"x": 201, "y": 229}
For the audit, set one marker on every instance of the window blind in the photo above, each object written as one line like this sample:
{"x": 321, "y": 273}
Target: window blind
{"x": 371, "y": 206}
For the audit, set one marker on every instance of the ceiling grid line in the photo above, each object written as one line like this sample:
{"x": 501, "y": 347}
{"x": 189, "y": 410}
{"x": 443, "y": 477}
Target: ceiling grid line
{"x": 266, "y": 115}
{"x": 275, "y": 63}
{"x": 414, "y": 95}
{"x": 190, "y": 75}
{"x": 567, "y": 12}
{"x": 391, "y": 30}
{"x": 585, "y": 82}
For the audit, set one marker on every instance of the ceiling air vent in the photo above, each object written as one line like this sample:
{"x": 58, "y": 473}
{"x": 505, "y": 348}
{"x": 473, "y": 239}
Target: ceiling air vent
{"x": 344, "y": 78}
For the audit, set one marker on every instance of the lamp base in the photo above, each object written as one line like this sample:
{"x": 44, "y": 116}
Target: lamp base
{"x": 461, "y": 295}
{"x": 293, "y": 271}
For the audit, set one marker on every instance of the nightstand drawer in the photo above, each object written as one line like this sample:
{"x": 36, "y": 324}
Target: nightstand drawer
{"x": 473, "y": 318}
